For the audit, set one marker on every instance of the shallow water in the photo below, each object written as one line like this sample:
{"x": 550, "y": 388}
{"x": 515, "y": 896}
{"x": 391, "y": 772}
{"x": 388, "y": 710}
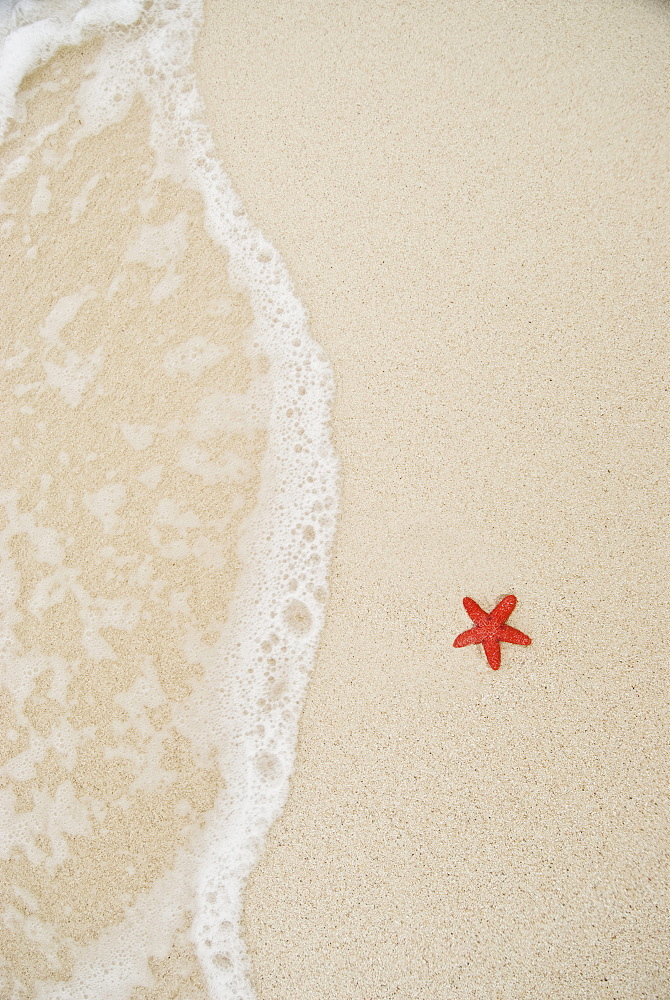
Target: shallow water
{"x": 168, "y": 497}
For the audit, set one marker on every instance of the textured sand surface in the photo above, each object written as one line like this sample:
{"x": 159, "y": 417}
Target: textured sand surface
{"x": 473, "y": 201}
{"x": 118, "y": 541}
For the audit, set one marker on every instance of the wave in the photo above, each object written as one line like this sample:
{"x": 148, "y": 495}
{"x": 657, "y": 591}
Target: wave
{"x": 239, "y": 710}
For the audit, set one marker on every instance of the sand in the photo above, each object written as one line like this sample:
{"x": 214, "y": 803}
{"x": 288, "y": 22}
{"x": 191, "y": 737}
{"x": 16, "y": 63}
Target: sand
{"x": 125, "y": 533}
{"x": 472, "y": 200}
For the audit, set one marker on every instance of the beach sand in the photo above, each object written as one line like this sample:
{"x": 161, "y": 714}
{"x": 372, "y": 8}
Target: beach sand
{"x": 127, "y": 537}
{"x": 473, "y": 202}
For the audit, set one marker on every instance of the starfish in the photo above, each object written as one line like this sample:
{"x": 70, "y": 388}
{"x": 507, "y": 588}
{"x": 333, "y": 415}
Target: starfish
{"x": 490, "y": 629}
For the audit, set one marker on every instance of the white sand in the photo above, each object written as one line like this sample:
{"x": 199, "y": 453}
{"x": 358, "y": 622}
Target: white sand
{"x": 473, "y": 201}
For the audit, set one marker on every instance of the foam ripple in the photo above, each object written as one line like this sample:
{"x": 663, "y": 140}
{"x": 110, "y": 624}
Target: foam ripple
{"x": 171, "y": 496}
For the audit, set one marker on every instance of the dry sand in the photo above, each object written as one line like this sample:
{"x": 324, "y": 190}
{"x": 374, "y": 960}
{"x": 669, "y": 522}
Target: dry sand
{"x": 473, "y": 202}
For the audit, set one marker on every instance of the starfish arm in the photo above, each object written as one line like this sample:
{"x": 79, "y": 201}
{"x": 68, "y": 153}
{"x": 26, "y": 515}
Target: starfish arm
{"x": 492, "y": 650}
{"x": 503, "y": 610}
{"x": 467, "y": 638}
{"x": 478, "y": 615}
{"x": 509, "y": 634}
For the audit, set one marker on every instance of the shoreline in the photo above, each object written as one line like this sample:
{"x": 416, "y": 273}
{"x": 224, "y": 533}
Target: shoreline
{"x": 161, "y": 601}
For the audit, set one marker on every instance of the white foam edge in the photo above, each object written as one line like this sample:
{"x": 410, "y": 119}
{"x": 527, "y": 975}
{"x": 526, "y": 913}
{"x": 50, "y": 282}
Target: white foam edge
{"x": 270, "y": 561}
{"x": 25, "y": 47}
{"x": 254, "y": 796}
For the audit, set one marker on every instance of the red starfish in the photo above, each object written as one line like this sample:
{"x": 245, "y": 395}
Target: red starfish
{"x": 491, "y": 629}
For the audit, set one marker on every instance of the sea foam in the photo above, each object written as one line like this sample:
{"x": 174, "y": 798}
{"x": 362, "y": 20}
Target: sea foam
{"x": 239, "y": 711}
